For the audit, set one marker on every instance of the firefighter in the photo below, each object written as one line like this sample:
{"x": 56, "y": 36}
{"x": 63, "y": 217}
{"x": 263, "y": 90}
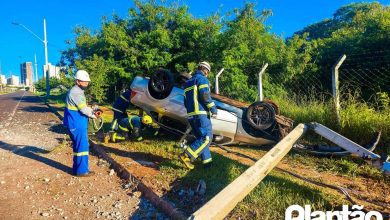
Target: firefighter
{"x": 121, "y": 104}
{"x": 131, "y": 127}
{"x": 199, "y": 107}
{"x": 76, "y": 116}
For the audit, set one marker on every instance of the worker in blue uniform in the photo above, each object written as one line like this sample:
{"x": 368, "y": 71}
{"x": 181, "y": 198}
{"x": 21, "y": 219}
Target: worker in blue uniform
{"x": 199, "y": 107}
{"x": 131, "y": 127}
{"x": 121, "y": 104}
{"x": 76, "y": 116}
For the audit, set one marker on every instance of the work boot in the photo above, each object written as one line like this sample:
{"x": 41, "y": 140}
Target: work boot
{"x": 90, "y": 173}
{"x": 187, "y": 161}
{"x": 107, "y": 137}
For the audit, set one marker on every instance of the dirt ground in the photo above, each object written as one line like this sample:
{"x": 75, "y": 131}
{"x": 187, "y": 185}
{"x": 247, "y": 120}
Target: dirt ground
{"x": 373, "y": 194}
{"x": 36, "y": 184}
{"x": 35, "y": 180}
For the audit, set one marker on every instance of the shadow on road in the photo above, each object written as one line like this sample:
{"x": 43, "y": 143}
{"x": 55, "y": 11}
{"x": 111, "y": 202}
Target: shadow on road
{"x": 34, "y": 153}
{"x": 58, "y": 128}
{"x": 42, "y": 109}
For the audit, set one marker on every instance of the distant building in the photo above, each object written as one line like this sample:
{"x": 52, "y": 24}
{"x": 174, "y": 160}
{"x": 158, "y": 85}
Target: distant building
{"x": 26, "y": 73}
{"x": 54, "y": 71}
{"x": 3, "y": 80}
{"x": 13, "y": 81}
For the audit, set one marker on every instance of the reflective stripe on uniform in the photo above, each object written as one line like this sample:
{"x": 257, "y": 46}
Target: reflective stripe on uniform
{"x": 211, "y": 104}
{"x": 117, "y": 110}
{"x": 207, "y": 161}
{"x": 114, "y": 124}
{"x": 207, "y": 140}
{"x": 82, "y": 105}
{"x": 203, "y": 86}
{"x": 76, "y": 108}
{"x": 120, "y": 137}
{"x": 72, "y": 108}
{"x": 197, "y": 113}
{"x": 189, "y": 88}
{"x": 78, "y": 154}
{"x": 191, "y": 152}
{"x": 124, "y": 98}
{"x": 122, "y": 128}
{"x": 131, "y": 125}
{"x": 195, "y": 153}
{"x": 196, "y": 103}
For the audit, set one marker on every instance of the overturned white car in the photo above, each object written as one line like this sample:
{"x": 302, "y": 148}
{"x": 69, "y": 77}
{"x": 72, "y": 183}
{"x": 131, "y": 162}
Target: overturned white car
{"x": 236, "y": 123}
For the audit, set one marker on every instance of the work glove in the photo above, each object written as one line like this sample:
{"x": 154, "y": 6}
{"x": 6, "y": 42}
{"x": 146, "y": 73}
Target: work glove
{"x": 97, "y": 113}
{"x": 214, "y": 115}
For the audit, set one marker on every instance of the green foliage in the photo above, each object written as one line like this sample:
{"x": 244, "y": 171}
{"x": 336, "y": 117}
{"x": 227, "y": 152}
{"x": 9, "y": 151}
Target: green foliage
{"x": 63, "y": 82}
{"x": 156, "y": 35}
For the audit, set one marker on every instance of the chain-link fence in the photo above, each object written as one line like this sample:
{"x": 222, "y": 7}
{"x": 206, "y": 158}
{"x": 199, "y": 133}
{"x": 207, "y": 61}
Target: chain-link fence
{"x": 366, "y": 75}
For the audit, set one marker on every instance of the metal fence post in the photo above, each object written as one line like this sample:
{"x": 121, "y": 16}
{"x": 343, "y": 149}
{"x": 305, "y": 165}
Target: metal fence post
{"x": 335, "y": 87}
{"x": 217, "y": 82}
{"x": 260, "y": 84}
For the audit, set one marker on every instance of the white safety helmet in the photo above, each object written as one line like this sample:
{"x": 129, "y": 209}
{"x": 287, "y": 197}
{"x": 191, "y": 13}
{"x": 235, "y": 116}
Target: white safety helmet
{"x": 82, "y": 75}
{"x": 205, "y": 65}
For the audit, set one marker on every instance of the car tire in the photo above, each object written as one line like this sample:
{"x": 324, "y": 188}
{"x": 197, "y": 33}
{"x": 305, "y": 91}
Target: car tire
{"x": 160, "y": 84}
{"x": 260, "y": 115}
{"x": 273, "y": 104}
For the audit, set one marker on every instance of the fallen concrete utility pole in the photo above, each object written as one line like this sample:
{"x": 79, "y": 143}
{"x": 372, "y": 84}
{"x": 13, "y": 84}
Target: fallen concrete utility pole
{"x": 219, "y": 206}
{"x": 350, "y": 146}
{"x": 342, "y": 141}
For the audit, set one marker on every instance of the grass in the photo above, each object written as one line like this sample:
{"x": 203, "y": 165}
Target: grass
{"x": 346, "y": 166}
{"x": 278, "y": 190}
{"x": 267, "y": 201}
{"x": 359, "y": 120}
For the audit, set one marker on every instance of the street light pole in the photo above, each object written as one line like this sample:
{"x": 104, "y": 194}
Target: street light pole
{"x": 46, "y": 53}
{"x": 46, "y": 61}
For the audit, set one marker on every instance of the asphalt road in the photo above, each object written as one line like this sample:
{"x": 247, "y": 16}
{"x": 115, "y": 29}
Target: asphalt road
{"x": 26, "y": 121}
{"x": 36, "y": 184}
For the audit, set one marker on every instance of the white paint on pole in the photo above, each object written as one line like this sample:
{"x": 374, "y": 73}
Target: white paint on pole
{"x": 46, "y": 60}
{"x": 217, "y": 81}
{"x": 225, "y": 201}
{"x": 335, "y": 87}
{"x": 260, "y": 84}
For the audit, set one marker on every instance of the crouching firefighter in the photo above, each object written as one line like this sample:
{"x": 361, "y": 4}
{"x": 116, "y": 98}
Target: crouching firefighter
{"x": 130, "y": 127}
{"x": 121, "y": 104}
{"x": 76, "y": 116}
{"x": 199, "y": 107}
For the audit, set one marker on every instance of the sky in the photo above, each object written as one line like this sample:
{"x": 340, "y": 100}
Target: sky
{"x": 17, "y": 45}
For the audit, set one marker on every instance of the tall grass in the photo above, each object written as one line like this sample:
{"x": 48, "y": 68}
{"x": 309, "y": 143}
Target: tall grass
{"x": 359, "y": 120}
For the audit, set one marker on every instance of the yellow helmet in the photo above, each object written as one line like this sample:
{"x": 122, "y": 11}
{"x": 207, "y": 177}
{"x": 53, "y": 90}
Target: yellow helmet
{"x": 146, "y": 119}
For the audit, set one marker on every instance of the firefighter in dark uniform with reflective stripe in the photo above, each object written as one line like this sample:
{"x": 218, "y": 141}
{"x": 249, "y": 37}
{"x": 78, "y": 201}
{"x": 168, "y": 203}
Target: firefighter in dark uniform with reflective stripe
{"x": 130, "y": 127}
{"x": 199, "y": 107}
{"x": 121, "y": 104}
{"x": 76, "y": 116}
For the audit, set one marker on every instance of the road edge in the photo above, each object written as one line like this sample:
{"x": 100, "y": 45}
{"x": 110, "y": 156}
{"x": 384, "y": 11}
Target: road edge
{"x": 125, "y": 175}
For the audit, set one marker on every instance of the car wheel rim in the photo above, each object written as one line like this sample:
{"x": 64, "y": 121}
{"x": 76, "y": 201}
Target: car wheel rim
{"x": 260, "y": 116}
{"x": 160, "y": 82}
